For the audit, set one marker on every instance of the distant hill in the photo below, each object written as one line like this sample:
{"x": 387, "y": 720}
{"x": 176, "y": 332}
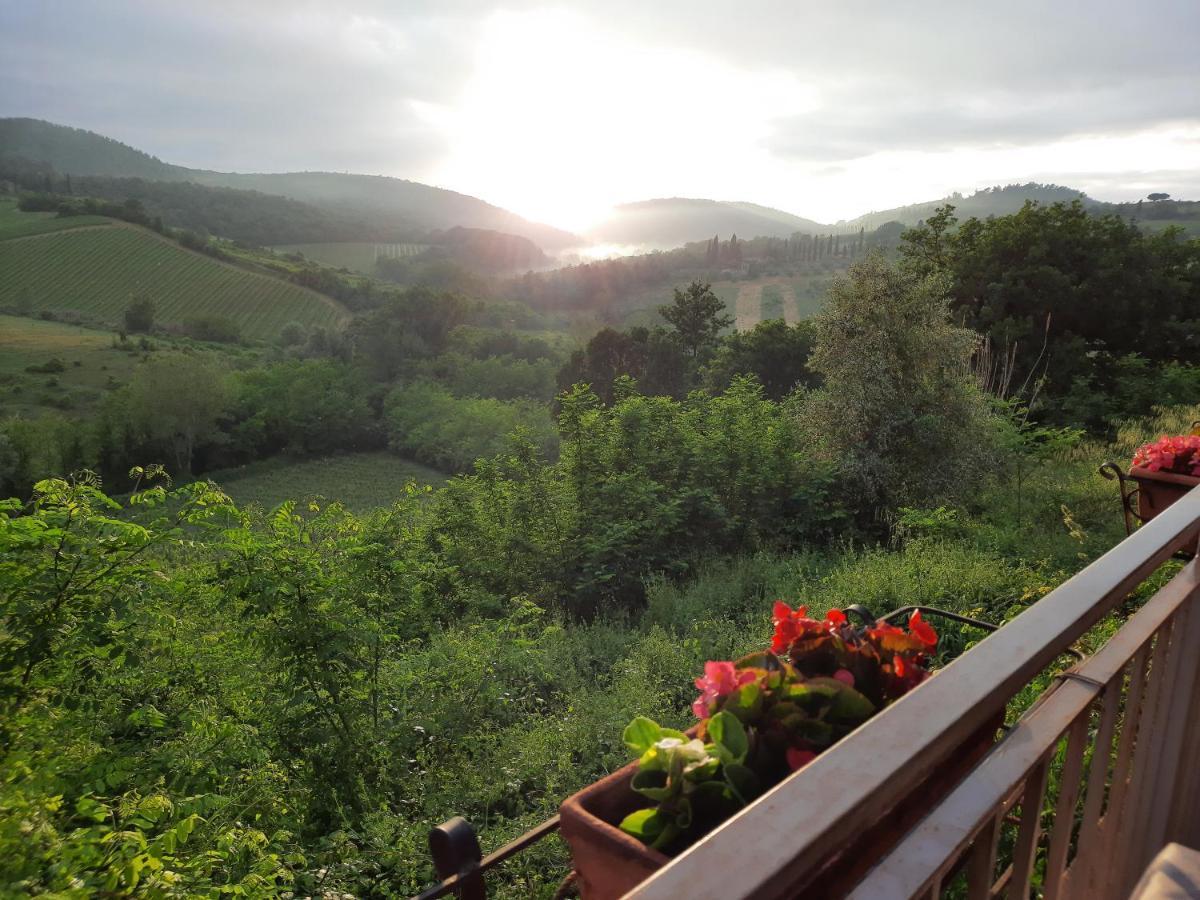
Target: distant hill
{"x": 676, "y": 221}
{"x": 380, "y": 202}
{"x": 996, "y": 201}
{"x": 79, "y": 152}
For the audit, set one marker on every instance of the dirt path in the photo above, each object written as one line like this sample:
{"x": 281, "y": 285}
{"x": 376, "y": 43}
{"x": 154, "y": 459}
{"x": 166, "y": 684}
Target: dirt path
{"x": 748, "y": 307}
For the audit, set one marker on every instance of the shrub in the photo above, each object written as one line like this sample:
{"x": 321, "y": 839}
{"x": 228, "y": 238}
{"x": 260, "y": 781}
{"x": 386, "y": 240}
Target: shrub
{"x": 898, "y": 411}
{"x": 52, "y": 366}
{"x": 218, "y": 329}
{"x": 139, "y": 314}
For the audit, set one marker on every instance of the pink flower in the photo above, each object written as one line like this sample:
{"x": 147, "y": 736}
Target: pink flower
{"x": 720, "y": 679}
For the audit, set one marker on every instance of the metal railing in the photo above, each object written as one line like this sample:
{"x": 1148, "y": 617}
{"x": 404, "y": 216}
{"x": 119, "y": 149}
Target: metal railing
{"x": 1093, "y": 779}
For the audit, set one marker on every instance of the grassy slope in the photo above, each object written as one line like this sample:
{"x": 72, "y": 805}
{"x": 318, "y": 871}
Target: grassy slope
{"x": 361, "y": 481}
{"x": 95, "y": 271}
{"x": 94, "y": 365}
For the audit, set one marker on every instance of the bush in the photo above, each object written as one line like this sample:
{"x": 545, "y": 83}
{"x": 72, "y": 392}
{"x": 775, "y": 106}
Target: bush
{"x": 52, "y": 366}
{"x": 212, "y": 328}
{"x": 429, "y": 424}
{"x": 139, "y": 314}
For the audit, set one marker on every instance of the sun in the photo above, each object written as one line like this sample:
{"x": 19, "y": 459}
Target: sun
{"x": 561, "y": 118}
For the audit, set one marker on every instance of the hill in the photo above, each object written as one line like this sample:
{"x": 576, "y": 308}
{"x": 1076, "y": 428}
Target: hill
{"x": 672, "y": 222}
{"x": 78, "y": 151}
{"x": 382, "y": 203}
{"x": 995, "y": 201}
{"x": 93, "y": 271}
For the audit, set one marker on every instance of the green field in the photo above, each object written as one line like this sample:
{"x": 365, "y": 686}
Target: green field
{"x": 95, "y": 272}
{"x": 358, "y": 256}
{"x": 360, "y": 481}
{"x": 14, "y": 223}
{"x": 92, "y": 365}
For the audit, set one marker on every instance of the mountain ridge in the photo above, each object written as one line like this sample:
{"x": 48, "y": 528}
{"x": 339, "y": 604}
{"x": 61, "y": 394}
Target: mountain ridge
{"x": 405, "y": 203}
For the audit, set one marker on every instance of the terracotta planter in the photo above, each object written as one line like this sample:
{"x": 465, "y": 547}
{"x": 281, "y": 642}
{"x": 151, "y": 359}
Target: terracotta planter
{"x": 609, "y": 862}
{"x": 1158, "y": 490}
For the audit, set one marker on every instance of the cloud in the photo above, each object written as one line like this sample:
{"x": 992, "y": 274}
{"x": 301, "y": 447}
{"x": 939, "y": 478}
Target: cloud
{"x": 859, "y": 121}
{"x": 249, "y": 87}
{"x": 822, "y": 108}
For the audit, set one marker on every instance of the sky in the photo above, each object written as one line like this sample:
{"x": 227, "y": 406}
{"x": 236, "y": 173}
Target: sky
{"x": 559, "y": 111}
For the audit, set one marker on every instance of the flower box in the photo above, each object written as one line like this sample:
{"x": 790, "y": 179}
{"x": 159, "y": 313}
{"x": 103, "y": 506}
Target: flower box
{"x": 1158, "y": 490}
{"x": 609, "y": 863}
{"x": 761, "y": 717}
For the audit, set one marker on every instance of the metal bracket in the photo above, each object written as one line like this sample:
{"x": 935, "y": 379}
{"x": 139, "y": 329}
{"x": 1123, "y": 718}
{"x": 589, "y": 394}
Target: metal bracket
{"x": 1111, "y": 470}
{"x": 454, "y": 847}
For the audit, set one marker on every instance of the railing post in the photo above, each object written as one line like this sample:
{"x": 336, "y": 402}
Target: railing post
{"x": 455, "y": 851}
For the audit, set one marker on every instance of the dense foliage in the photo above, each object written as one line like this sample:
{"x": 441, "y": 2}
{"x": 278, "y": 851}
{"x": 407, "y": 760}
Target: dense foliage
{"x": 1076, "y": 299}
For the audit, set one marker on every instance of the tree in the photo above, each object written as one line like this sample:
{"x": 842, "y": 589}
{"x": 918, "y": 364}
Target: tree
{"x": 1158, "y": 196}
{"x": 139, "y": 314}
{"x": 773, "y": 352}
{"x": 898, "y": 409}
{"x": 1065, "y": 290}
{"x": 175, "y": 402}
{"x": 696, "y": 314}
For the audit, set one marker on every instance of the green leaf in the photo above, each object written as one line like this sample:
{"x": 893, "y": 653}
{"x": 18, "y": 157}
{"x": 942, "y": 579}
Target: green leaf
{"x": 848, "y": 704}
{"x": 743, "y": 782}
{"x": 652, "y": 784}
{"x": 746, "y": 702}
{"x": 727, "y": 733}
{"x": 644, "y": 824}
{"x": 641, "y": 734}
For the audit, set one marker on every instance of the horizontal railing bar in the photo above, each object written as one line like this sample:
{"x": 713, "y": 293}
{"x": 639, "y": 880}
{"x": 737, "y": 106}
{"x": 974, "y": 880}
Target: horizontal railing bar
{"x": 779, "y": 842}
{"x": 948, "y": 829}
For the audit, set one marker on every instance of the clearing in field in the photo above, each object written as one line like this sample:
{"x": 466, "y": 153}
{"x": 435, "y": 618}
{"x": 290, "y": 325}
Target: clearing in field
{"x": 360, "y": 481}
{"x": 73, "y": 367}
{"x": 14, "y": 223}
{"x": 96, "y": 271}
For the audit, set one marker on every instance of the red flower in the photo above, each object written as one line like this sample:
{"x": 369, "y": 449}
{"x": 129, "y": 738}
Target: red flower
{"x": 791, "y": 626}
{"x": 898, "y": 665}
{"x": 1180, "y": 454}
{"x": 797, "y": 759}
{"x": 921, "y": 630}
{"x": 720, "y": 679}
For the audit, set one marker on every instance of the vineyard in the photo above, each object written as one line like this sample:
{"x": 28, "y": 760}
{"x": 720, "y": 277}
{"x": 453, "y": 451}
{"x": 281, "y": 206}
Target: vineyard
{"x": 358, "y": 256}
{"x": 95, "y": 271}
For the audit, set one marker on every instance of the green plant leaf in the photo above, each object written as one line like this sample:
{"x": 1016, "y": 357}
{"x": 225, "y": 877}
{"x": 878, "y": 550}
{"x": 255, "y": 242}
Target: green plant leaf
{"x": 644, "y": 824}
{"x": 743, "y": 782}
{"x": 641, "y": 734}
{"x": 727, "y": 733}
{"x": 652, "y": 784}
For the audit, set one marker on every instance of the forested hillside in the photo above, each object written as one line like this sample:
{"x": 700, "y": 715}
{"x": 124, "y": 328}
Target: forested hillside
{"x": 374, "y": 204}
{"x": 663, "y": 224}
